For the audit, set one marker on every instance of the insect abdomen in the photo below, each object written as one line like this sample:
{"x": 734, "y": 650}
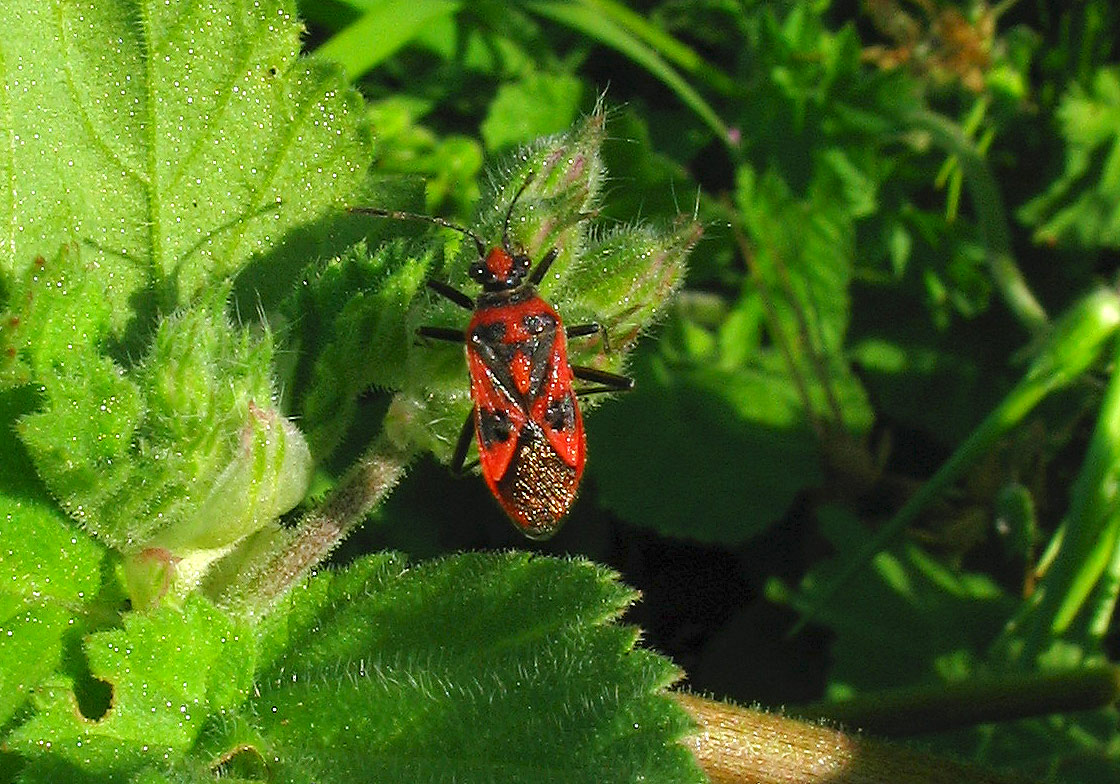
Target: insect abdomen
{"x": 538, "y": 487}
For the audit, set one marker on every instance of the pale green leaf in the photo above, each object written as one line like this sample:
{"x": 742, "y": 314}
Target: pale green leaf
{"x": 176, "y": 142}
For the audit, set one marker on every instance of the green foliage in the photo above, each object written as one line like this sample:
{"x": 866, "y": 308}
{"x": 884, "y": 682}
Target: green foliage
{"x": 50, "y": 569}
{"x": 350, "y": 315}
{"x": 670, "y": 426}
{"x": 209, "y": 376}
{"x": 936, "y": 620}
{"x": 463, "y": 669}
{"x": 169, "y": 671}
{"x": 177, "y": 154}
{"x": 166, "y": 429}
{"x": 538, "y": 105}
{"x": 148, "y": 460}
{"x": 1082, "y": 207}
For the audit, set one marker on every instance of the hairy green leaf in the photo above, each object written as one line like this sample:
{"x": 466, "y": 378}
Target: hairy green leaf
{"x": 169, "y": 672}
{"x": 172, "y": 461}
{"x": 350, "y": 316}
{"x": 49, "y": 570}
{"x": 176, "y": 142}
{"x": 466, "y": 669}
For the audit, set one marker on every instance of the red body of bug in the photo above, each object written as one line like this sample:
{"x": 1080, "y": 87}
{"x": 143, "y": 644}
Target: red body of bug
{"x": 527, "y": 422}
{"x": 526, "y": 417}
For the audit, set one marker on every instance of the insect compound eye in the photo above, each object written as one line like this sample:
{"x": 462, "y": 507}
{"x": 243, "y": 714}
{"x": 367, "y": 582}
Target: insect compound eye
{"x": 494, "y": 426}
{"x": 536, "y": 323}
{"x": 561, "y": 413}
{"x": 478, "y": 272}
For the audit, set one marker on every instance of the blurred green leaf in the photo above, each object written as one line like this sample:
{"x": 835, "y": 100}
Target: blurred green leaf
{"x": 705, "y": 454}
{"x": 1082, "y": 207}
{"x": 607, "y": 31}
{"x": 537, "y": 105}
{"x": 802, "y": 257}
{"x": 929, "y": 617}
{"x": 383, "y": 28}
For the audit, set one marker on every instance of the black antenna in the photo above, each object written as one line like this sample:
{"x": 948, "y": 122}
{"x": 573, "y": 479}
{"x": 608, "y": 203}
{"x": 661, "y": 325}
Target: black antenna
{"x": 509, "y": 212}
{"x": 412, "y": 216}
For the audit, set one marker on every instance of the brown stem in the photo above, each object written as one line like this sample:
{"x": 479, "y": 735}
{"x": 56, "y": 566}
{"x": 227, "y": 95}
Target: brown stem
{"x": 741, "y": 746}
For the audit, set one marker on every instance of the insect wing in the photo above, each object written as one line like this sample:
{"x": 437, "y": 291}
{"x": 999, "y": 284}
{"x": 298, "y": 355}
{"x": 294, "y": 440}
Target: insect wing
{"x": 498, "y": 420}
{"x": 557, "y": 412}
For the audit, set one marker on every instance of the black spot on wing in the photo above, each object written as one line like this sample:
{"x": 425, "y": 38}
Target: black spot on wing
{"x": 561, "y": 414}
{"x": 494, "y": 426}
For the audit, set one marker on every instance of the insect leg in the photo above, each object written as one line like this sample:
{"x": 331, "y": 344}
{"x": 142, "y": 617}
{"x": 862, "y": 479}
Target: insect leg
{"x": 451, "y": 293}
{"x": 582, "y": 330}
{"x": 596, "y": 391}
{"x": 591, "y": 328}
{"x": 539, "y": 271}
{"x": 616, "y": 382}
{"x": 463, "y": 444}
{"x": 442, "y": 333}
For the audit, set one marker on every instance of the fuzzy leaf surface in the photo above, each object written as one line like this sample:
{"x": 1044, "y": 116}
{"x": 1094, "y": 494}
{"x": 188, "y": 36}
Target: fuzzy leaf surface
{"x": 175, "y": 142}
{"x": 155, "y": 456}
{"x": 472, "y": 668}
{"x": 169, "y": 671}
{"x": 48, "y": 571}
{"x": 351, "y": 315}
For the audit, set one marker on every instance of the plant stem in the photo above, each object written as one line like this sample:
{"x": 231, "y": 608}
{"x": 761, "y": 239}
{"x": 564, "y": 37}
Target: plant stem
{"x": 322, "y": 529}
{"x": 901, "y": 712}
{"x": 742, "y": 746}
{"x": 991, "y": 216}
{"x": 1073, "y": 345}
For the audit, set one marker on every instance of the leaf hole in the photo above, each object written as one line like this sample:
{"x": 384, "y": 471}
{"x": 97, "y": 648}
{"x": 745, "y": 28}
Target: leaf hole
{"x": 241, "y": 762}
{"x": 94, "y": 697}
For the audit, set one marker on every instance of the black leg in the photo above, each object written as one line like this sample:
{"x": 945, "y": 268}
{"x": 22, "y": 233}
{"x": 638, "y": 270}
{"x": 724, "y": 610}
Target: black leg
{"x": 539, "y": 271}
{"x": 453, "y": 294}
{"x": 582, "y": 330}
{"x": 442, "y": 333}
{"x": 463, "y": 444}
{"x": 616, "y": 382}
{"x": 592, "y": 328}
{"x": 598, "y": 390}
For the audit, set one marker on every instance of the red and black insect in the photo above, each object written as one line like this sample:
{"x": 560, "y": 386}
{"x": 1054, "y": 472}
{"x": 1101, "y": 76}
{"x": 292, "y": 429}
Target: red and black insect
{"x": 526, "y": 417}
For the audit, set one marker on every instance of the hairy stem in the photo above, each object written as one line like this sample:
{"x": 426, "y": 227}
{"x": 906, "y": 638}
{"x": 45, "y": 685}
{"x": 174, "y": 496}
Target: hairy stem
{"x": 742, "y": 746}
{"x": 322, "y": 529}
